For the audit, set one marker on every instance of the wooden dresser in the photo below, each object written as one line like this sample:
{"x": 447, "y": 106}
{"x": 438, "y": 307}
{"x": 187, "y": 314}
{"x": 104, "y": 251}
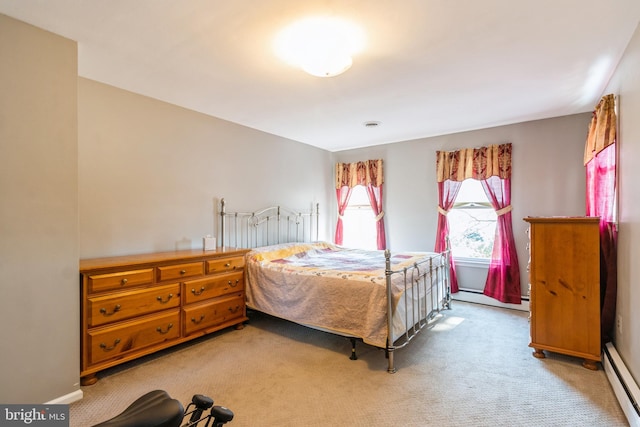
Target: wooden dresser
{"x": 564, "y": 287}
{"x": 135, "y": 305}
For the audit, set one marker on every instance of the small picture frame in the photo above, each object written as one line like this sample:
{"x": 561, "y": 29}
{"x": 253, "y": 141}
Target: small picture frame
{"x": 209, "y": 243}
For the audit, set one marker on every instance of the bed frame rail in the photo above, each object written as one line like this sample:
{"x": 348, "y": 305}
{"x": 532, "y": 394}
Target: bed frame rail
{"x": 269, "y": 226}
{"x": 426, "y": 293}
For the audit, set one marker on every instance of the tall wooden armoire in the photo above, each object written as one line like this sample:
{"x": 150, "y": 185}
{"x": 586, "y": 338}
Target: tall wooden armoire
{"x": 564, "y": 287}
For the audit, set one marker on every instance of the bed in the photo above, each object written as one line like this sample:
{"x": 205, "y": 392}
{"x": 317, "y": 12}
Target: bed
{"x": 378, "y": 297}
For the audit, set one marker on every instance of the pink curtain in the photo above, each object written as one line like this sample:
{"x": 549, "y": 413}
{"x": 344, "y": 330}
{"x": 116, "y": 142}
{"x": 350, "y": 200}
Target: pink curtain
{"x": 375, "y": 198}
{"x": 342, "y": 194}
{"x": 601, "y": 195}
{"x": 447, "y": 193}
{"x": 601, "y": 185}
{"x": 368, "y": 174}
{"x": 503, "y": 278}
{"x": 483, "y": 164}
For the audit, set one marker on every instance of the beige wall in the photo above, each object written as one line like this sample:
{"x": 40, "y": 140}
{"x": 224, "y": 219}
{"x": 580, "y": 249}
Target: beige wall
{"x": 548, "y": 179}
{"x": 39, "y": 306}
{"x": 151, "y": 173}
{"x": 626, "y": 85}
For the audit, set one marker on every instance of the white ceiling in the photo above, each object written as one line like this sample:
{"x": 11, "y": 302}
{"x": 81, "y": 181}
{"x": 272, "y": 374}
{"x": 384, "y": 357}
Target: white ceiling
{"x": 431, "y": 67}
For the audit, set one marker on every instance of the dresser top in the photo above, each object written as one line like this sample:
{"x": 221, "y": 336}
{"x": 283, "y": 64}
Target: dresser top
{"x": 562, "y": 219}
{"x": 91, "y": 264}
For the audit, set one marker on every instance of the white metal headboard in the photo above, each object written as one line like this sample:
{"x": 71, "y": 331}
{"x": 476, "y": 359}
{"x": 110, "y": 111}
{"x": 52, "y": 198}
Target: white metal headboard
{"x": 268, "y": 226}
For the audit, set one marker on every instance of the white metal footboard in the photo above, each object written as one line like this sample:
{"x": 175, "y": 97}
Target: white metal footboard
{"x": 425, "y": 293}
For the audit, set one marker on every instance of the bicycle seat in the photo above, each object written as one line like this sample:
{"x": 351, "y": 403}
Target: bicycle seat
{"x": 154, "y": 409}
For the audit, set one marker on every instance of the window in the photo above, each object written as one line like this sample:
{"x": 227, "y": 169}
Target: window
{"x": 359, "y": 223}
{"x": 472, "y": 223}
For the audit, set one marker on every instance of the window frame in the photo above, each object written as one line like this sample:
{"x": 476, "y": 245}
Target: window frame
{"x": 484, "y": 205}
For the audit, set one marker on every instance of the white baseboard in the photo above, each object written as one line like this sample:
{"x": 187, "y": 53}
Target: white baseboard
{"x": 67, "y": 398}
{"x": 623, "y": 384}
{"x": 480, "y": 298}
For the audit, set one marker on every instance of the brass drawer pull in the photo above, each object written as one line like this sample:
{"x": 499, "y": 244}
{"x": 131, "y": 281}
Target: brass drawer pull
{"x": 228, "y": 265}
{"x": 104, "y": 347}
{"x": 115, "y": 310}
{"x": 233, "y": 285}
{"x": 234, "y": 310}
{"x": 124, "y": 281}
{"x": 193, "y": 319}
{"x": 183, "y": 271}
{"x": 196, "y": 293}
{"x": 169, "y": 326}
{"x": 165, "y": 301}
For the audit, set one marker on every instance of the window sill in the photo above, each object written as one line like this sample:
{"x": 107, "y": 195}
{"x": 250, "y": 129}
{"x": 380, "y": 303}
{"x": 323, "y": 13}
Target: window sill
{"x": 472, "y": 262}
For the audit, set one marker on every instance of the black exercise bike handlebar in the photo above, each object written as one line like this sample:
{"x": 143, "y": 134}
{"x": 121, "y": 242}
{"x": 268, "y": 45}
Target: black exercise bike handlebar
{"x": 158, "y": 409}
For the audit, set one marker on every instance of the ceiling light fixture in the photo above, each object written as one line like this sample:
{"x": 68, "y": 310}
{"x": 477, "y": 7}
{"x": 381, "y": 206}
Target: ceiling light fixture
{"x": 321, "y": 46}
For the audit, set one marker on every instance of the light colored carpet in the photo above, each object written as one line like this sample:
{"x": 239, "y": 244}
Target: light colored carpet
{"x": 472, "y": 368}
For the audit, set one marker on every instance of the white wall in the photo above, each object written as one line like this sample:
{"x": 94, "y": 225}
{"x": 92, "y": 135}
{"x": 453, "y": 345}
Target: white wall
{"x": 626, "y": 85}
{"x": 39, "y": 306}
{"x": 548, "y": 178}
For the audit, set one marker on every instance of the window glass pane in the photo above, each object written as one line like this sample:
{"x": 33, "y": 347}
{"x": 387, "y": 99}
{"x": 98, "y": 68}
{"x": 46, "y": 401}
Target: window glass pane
{"x": 359, "y": 196}
{"x": 472, "y": 222}
{"x": 359, "y": 221}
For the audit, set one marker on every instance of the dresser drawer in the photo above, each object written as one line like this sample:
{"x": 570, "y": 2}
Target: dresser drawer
{"x": 119, "y": 280}
{"x": 210, "y": 287}
{"x": 209, "y": 314}
{"x": 179, "y": 271}
{"x": 125, "y": 337}
{"x": 224, "y": 265}
{"x": 124, "y": 305}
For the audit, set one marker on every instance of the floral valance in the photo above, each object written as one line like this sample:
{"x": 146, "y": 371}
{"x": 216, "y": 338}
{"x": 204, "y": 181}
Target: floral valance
{"x": 477, "y": 163}
{"x": 359, "y": 173}
{"x": 602, "y": 129}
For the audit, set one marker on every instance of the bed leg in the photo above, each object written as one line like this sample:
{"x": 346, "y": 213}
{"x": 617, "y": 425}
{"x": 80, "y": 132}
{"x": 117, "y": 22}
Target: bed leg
{"x": 391, "y": 369}
{"x": 353, "y": 349}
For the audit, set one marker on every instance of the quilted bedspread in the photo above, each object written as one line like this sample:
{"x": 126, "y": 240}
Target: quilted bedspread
{"x": 327, "y": 286}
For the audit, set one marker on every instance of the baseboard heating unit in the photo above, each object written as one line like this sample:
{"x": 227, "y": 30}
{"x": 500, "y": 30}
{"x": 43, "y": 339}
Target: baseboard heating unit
{"x": 623, "y": 384}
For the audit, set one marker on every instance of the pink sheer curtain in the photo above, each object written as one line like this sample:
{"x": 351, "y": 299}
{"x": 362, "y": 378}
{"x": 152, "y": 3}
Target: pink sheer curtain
{"x": 370, "y": 175}
{"x": 447, "y": 193}
{"x": 601, "y": 195}
{"x": 342, "y": 194}
{"x": 601, "y": 185}
{"x": 375, "y": 198}
{"x": 503, "y": 278}
{"x": 492, "y": 166}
